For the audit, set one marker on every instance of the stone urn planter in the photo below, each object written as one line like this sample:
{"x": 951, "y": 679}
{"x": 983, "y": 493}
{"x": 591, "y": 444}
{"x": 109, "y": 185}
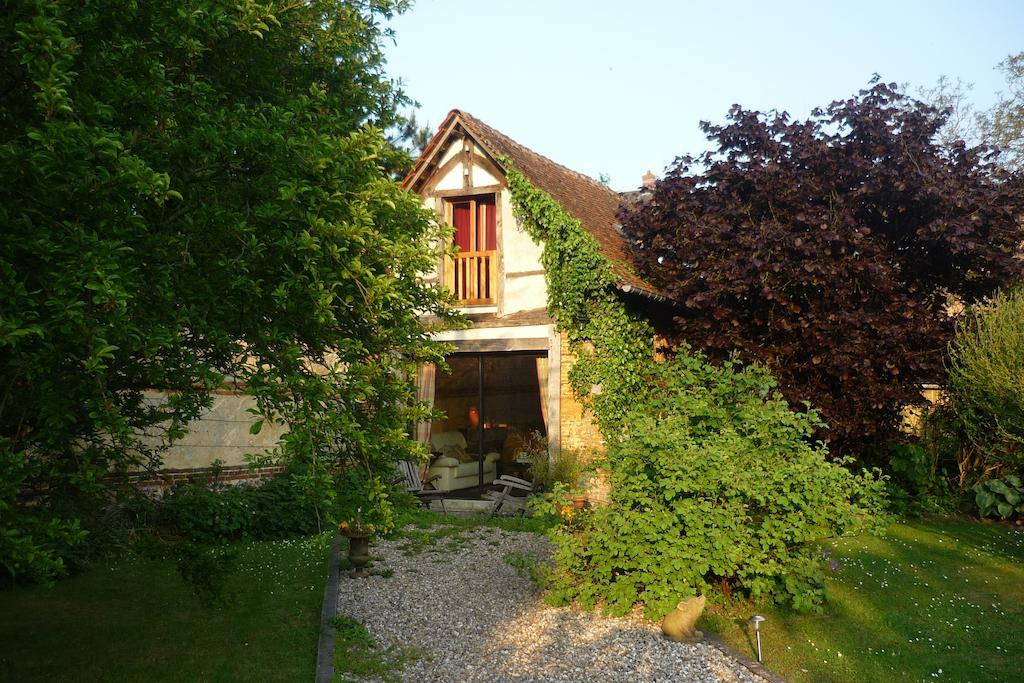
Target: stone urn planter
{"x": 358, "y": 535}
{"x": 359, "y": 554}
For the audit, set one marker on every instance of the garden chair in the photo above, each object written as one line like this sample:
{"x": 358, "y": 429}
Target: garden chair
{"x": 504, "y": 500}
{"x": 410, "y": 477}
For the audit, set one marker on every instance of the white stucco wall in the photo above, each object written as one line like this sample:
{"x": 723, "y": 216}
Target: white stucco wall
{"x": 481, "y": 178}
{"x": 524, "y": 286}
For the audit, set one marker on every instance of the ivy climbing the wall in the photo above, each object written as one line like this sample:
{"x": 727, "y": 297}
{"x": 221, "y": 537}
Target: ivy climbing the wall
{"x": 717, "y": 485}
{"x": 613, "y": 346}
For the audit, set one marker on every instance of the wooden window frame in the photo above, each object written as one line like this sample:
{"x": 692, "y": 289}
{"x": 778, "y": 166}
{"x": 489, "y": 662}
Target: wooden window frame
{"x": 462, "y": 274}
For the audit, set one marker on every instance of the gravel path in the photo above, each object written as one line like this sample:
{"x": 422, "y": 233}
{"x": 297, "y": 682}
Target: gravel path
{"x": 464, "y": 604}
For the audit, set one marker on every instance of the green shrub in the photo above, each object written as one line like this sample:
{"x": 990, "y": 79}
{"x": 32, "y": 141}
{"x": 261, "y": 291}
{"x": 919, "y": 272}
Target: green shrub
{"x": 1004, "y": 498}
{"x": 207, "y": 570}
{"x": 548, "y": 469}
{"x": 206, "y": 514}
{"x": 278, "y": 512}
{"x": 370, "y": 496}
{"x": 918, "y": 479}
{"x": 986, "y": 385}
{"x": 715, "y": 484}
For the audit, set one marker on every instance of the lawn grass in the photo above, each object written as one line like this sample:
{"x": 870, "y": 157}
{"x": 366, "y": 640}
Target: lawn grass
{"x": 931, "y": 600}
{"x": 136, "y": 620}
{"x": 418, "y": 530}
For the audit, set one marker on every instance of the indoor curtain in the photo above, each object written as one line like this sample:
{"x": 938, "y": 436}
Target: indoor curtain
{"x": 425, "y": 393}
{"x": 542, "y": 382}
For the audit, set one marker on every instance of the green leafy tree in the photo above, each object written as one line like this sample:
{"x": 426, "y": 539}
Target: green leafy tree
{"x": 194, "y": 192}
{"x": 951, "y": 98}
{"x": 412, "y": 136}
{"x": 1003, "y": 125}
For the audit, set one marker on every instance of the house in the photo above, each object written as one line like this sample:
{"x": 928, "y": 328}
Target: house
{"x": 509, "y": 372}
{"x": 508, "y": 376}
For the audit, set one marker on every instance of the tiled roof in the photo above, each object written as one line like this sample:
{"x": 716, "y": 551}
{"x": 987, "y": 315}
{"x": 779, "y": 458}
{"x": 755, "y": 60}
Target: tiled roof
{"x": 593, "y": 204}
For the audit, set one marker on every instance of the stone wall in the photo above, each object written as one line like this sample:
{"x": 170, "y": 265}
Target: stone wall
{"x": 221, "y": 433}
{"x": 578, "y": 431}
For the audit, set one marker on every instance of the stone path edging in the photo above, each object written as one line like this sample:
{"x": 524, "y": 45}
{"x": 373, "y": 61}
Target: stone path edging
{"x": 325, "y": 648}
{"x": 751, "y": 665}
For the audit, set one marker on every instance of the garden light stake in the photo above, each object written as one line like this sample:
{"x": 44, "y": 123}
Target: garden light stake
{"x": 757, "y": 619}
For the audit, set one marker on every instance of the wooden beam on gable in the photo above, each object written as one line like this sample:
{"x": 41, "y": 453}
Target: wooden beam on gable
{"x": 483, "y": 189}
{"x": 436, "y": 176}
{"x": 484, "y": 161}
{"x": 429, "y": 169}
{"x": 467, "y": 162}
{"x": 434, "y": 151}
{"x": 493, "y": 345}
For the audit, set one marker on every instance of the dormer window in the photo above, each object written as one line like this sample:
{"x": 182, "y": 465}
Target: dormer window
{"x": 472, "y": 273}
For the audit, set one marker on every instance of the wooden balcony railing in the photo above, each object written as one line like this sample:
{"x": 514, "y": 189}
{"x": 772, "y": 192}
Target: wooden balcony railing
{"x": 472, "y": 275}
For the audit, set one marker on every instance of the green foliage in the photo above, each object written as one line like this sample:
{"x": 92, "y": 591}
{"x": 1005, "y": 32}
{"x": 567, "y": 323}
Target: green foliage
{"x": 527, "y": 566}
{"x": 918, "y": 479}
{"x": 986, "y": 383}
{"x": 612, "y": 345}
{"x": 30, "y": 544}
{"x": 548, "y": 469}
{"x": 719, "y": 484}
{"x": 714, "y": 480}
{"x": 1004, "y": 498}
{"x": 1003, "y": 125}
{"x": 357, "y": 653}
{"x": 351, "y": 632}
{"x": 368, "y": 496}
{"x": 273, "y": 509}
{"x": 911, "y": 466}
{"x": 195, "y": 191}
{"x": 203, "y": 516}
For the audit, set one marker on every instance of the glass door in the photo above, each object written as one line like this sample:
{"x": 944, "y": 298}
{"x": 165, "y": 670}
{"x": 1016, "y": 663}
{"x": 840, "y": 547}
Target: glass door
{"x": 497, "y": 402}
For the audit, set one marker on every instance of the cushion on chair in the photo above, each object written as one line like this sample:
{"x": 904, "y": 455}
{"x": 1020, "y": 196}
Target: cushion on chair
{"x": 441, "y": 440}
{"x": 459, "y": 453}
{"x": 445, "y": 462}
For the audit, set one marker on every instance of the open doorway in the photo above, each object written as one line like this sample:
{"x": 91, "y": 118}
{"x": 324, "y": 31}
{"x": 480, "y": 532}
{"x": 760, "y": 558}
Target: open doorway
{"x": 497, "y": 409}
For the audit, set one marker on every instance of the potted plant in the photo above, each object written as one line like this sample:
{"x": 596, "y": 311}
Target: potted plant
{"x": 358, "y": 535}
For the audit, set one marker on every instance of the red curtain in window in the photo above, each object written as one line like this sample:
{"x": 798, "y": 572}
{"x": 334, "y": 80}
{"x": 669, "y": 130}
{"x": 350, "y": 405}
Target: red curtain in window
{"x": 485, "y": 227}
{"x": 461, "y": 214}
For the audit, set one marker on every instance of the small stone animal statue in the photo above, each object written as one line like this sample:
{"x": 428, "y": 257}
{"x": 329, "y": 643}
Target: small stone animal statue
{"x": 679, "y": 623}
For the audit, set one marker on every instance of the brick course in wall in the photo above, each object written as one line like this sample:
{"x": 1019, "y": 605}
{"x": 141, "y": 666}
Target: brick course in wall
{"x": 157, "y": 482}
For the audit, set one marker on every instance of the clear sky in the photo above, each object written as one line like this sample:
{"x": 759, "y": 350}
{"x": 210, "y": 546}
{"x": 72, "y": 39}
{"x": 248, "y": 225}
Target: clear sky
{"x": 620, "y": 87}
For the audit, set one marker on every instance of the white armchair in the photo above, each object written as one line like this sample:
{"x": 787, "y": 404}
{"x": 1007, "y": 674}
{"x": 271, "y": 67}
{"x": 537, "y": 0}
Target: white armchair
{"x": 453, "y": 473}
